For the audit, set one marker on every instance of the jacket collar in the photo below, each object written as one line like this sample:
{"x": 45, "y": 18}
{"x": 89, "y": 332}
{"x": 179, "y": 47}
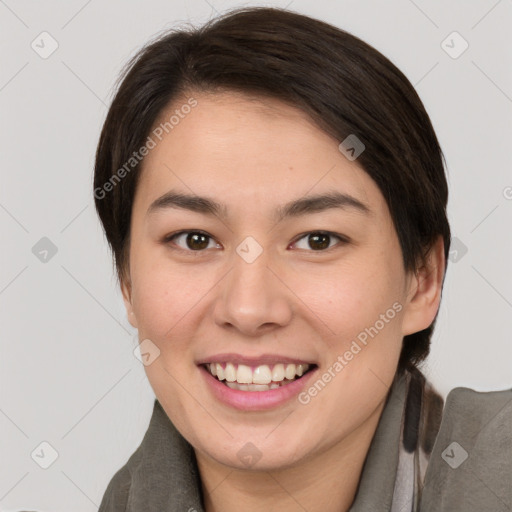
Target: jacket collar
{"x": 165, "y": 476}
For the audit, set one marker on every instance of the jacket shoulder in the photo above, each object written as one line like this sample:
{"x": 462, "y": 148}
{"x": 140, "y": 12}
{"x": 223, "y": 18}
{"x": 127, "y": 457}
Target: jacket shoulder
{"x": 464, "y": 394}
{"x": 475, "y": 414}
{"x": 115, "y": 497}
{"x": 471, "y": 463}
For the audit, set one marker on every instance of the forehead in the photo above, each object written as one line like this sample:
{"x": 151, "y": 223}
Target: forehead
{"x": 247, "y": 149}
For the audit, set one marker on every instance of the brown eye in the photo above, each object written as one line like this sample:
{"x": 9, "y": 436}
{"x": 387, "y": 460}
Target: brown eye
{"x": 197, "y": 241}
{"x": 193, "y": 240}
{"x": 318, "y": 240}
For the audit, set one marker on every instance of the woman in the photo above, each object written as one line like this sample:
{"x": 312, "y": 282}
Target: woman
{"x": 275, "y": 198}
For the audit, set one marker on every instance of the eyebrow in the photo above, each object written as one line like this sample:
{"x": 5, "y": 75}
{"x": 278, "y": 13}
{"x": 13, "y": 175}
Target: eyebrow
{"x": 296, "y": 208}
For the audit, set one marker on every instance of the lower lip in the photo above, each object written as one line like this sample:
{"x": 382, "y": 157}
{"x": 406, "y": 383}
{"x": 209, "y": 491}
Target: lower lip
{"x": 255, "y": 400}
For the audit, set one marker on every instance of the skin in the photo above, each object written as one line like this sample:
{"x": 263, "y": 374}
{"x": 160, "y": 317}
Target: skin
{"x": 254, "y": 156}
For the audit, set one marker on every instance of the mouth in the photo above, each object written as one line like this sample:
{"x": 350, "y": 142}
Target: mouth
{"x": 264, "y": 377}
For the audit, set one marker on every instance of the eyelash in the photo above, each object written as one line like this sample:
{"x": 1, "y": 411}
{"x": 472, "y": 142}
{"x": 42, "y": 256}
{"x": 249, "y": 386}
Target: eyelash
{"x": 169, "y": 239}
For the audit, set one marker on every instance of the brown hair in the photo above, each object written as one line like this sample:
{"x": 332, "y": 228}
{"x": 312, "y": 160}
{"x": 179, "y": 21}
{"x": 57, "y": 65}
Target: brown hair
{"x": 344, "y": 84}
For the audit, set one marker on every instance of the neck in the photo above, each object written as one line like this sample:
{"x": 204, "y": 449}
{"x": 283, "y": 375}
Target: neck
{"x": 324, "y": 482}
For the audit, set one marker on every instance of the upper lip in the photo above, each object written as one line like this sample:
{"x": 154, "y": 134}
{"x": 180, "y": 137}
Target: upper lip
{"x": 268, "y": 359}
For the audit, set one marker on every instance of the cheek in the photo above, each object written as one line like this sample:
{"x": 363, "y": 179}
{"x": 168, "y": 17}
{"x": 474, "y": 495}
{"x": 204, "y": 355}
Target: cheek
{"x": 350, "y": 298}
{"x": 163, "y": 296}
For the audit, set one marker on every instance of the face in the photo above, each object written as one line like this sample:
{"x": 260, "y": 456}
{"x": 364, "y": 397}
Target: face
{"x": 261, "y": 285}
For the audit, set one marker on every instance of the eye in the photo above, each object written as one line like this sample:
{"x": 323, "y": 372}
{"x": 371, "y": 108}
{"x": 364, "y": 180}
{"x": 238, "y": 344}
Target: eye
{"x": 197, "y": 241}
{"x": 319, "y": 240}
{"x": 194, "y": 240}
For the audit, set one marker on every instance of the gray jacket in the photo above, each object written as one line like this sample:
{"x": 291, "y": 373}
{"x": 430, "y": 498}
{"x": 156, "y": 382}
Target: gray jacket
{"x": 425, "y": 456}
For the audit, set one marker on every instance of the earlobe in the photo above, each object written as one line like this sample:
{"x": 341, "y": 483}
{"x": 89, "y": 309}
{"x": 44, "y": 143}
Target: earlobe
{"x": 424, "y": 295}
{"x": 126, "y": 290}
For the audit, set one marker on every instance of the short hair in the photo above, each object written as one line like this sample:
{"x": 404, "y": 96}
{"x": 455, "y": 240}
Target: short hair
{"x": 346, "y": 87}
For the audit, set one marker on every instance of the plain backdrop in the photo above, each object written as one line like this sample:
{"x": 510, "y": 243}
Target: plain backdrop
{"x": 69, "y": 377}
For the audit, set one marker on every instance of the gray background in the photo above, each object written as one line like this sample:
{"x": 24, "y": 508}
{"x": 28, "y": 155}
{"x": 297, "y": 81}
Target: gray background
{"x": 68, "y": 373}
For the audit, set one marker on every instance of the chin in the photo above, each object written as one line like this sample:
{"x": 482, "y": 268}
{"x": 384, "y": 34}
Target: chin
{"x": 254, "y": 456}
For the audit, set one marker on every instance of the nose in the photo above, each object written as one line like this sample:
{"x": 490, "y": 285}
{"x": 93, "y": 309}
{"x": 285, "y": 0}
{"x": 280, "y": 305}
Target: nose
{"x": 253, "y": 299}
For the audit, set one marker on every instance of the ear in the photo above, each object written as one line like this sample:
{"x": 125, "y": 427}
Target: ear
{"x": 126, "y": 290}
{"x": 424, "y": 291}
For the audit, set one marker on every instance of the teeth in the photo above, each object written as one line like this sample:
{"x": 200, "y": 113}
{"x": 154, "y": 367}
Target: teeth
{"x": 244, "y": 374}
{"x": 252, "y": 387}
{"x": 278, "y": 373}
{"x": 249, "y": 387}
{"x": 220, "y": 371}
{"x": 289, "y": 371}
{"x": 262, "y": 375}
{"x": 230, "y": 372}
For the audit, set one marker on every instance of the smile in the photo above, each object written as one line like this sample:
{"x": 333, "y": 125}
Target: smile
{"x": 257, "y": 378}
